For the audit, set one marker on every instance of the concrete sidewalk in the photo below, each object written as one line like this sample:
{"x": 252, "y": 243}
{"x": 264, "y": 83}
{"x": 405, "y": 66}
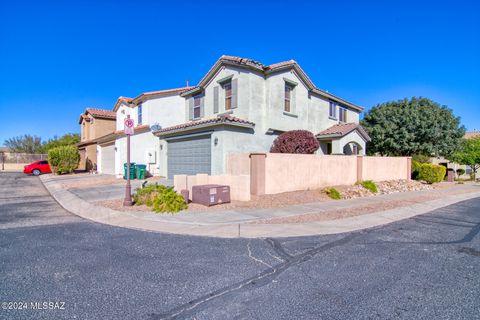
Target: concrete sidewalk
{"x": 240, "y": 223}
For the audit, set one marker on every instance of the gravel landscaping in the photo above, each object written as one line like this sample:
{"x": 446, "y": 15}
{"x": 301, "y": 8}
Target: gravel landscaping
{"x": 293, "y": 198}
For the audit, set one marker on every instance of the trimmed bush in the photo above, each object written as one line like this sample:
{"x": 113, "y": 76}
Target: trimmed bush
{"x": 333, "y": 193}
{"x": 63, "y": 159}
{"x": 160, "y": 199}
{"x": 415, "y": 169}
{"x": 431, "y": 173}
{"x": 369, "y": 185}
{"x": 460, "y": 172}
{"x": 295, "y": 141}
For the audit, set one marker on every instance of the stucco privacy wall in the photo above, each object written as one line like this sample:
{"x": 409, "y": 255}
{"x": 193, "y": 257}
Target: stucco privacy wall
{"x": 385, "y": 168}
{"x": 287, "y": 172}
{"x": 277, "y": 173}
{"x": 239, "y": 184}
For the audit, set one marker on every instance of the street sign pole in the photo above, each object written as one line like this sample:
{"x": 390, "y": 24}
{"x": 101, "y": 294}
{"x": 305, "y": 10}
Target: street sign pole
{"x": 127, "y": 202}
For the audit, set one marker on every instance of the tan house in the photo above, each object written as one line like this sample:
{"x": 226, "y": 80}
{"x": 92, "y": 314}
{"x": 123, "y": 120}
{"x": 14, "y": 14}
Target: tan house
{"x": 455, "y": 166}
{"x": 94, "y": 123}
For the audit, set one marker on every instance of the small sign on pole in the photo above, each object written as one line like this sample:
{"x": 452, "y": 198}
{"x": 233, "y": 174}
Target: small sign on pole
{"x": 128, "y": 125}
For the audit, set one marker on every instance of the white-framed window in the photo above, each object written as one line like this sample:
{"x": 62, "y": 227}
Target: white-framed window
{"x": 287, "y": 106}
{"x": 227, "y": 87}
{"x": 342, "y": 114}
{"x": 140, "y": 114}
{"x": 333, "y": 110}
{"x": 197, "y": 104}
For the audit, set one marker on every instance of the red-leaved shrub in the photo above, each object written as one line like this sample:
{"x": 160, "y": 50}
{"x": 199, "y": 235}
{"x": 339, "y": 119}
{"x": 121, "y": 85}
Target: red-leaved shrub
{"x": 295, "y": 141}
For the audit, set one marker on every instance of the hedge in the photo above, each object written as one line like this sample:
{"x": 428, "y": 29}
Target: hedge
{"x": 63, "y": 159}
{"x": 431, "y": 173}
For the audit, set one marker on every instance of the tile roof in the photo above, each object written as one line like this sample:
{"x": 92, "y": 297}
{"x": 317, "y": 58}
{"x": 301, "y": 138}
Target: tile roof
{"x": 221, "y": 119}
{"x": 101, "y": 113}
{"x": 472, "y": 135}
{"x": 159, "y": 92}
{"x": 342, "y": 129}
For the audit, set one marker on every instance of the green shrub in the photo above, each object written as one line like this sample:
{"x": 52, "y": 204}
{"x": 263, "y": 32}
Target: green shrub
{"x": 369, "y": 185}
{"x": 160, "y": 198}
{"x": 333, "y": 193}
{"x": 415, "y": 169}
{"x": 431, "y": 173}
{"x": 63, "y": 159}
{"x": 420, "y": 158}
{"x": 460, "y": 172}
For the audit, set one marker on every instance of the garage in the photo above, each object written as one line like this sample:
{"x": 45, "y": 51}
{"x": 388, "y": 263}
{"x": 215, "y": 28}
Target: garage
{"x": 107, "y": 161}
{"x": 189, "y": 155}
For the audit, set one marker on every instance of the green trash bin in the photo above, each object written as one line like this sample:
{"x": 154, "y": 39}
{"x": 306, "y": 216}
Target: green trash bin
{"x": 140, "y": 171}
{"x": 132, "y": 171}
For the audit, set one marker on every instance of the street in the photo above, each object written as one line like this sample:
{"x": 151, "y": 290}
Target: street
{"x": 426, "y": 267}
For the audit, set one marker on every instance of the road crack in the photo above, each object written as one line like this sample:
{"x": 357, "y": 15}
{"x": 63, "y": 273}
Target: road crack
{"x": 263, "y": 278}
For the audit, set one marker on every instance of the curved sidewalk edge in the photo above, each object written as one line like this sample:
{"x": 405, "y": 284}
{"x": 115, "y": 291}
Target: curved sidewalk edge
{"x": 84, "y": 209}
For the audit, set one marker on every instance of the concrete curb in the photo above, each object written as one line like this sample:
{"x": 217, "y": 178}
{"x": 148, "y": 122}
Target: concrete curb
{"x": 84, "y": 209}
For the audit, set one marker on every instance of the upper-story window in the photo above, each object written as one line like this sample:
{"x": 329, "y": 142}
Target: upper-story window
{"x": 342, "y": 114}
{"x": 197, "y": 104}
{"x": 333, "y": 110}
{"x": 92, "y": 121}
{"x": 140, "y": 114}
{"x": 228, "y": 95}
{"x": 288, "y": 97}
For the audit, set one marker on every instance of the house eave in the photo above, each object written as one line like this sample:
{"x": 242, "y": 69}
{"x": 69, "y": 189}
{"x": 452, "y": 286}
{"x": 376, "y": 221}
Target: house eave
{"x": 201, "y": 127}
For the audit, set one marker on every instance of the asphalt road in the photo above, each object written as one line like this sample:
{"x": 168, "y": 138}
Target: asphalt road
{"x": 427, "y": 267}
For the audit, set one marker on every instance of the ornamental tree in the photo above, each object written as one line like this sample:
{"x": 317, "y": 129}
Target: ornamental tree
{"x": 295, "y": 141}
{"x": 415, "y": 126}
{"x": 469, "y": 154}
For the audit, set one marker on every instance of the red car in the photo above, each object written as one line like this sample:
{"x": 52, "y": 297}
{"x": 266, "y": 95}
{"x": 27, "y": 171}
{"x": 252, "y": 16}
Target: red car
{"x": 37, "y": 168}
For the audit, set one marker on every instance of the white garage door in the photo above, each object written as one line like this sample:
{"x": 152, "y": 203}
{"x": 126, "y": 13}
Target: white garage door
{"x": 108, "y": 159}
{"x": 189, "y": 156}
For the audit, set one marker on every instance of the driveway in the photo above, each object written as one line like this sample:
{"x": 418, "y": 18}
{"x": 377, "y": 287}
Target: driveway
{"x": 421, "y": 268}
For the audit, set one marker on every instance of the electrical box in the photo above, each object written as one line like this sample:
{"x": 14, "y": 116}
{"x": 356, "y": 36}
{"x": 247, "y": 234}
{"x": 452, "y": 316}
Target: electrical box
{"x": 151, "y": 156}
{"x": 210, "y": 194}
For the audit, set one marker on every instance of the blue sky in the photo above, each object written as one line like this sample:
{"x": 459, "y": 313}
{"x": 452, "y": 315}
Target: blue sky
{"x": 59, "y": 57}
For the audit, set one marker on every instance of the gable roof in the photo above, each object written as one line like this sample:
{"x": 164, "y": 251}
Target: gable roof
{"x": 472, "y": 135}
{"x": 219, "y": 120}
{"x": 121, "y": 100}
{"x": 342, "y": 129}
{"x": 160, "y": 93}
{"x": 266, "y": 70}
{"x": 97, "y": 113}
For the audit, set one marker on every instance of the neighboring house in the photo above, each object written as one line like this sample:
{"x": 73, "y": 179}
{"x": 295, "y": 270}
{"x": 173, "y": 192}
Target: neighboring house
{"x": 94, "y": 123}
{"x": 455, "y": 166}
{"x": 241, "y": 105}
{"x": 157, "y": 109}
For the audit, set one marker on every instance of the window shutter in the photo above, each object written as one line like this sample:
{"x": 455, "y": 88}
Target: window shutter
{"x": 293, "y": 101}
{"x": 202, "y": 106}
{"x": 215, "y": 99}
{"x": 234, "y": 93}
{"x": 190, "y": 108}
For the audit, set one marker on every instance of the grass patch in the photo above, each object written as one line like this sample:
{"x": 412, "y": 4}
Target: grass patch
{"x": 369, "y": 185}
{"x": 333, "y": 193}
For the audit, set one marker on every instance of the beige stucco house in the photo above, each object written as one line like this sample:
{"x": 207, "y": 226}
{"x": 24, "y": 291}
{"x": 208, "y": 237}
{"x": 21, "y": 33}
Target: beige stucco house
{"x": 239, "y": 106}
{"x": 94, "y": 123}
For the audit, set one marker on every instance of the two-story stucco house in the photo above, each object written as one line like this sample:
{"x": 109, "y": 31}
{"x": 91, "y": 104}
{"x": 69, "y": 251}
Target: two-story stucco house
{"x": 241, "y": 105}
{"x": 94, "y": 123}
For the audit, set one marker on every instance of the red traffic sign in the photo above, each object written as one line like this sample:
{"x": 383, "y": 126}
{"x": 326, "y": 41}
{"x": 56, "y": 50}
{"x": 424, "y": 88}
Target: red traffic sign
{"x": 128, "y": 125}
